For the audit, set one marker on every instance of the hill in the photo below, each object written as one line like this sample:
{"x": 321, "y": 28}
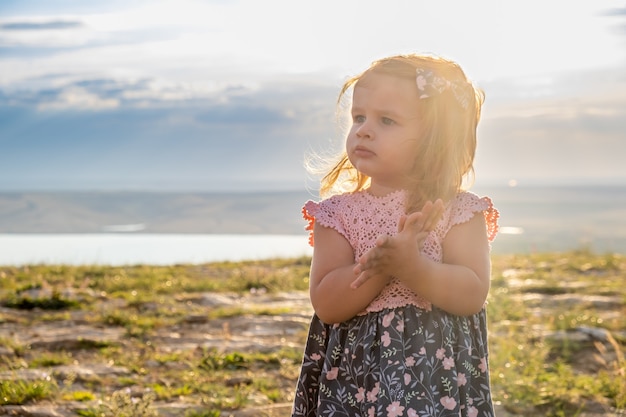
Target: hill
{"x": 152, "y": 212}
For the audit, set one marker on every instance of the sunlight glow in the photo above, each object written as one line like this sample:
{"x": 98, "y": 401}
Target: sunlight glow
{"x": 168, "y": 37}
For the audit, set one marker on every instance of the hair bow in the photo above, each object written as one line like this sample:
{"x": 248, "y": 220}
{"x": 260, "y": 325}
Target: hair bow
{"x": 429, "y": 85}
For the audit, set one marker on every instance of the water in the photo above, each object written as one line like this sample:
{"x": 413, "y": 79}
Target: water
{"x": 149, "y": 249}
{"x": 533, "y": 219}
{"x": 538, "y": 219}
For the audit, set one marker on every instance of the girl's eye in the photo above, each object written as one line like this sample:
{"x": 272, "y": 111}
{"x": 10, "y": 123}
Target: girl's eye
{"x": 358, "y": 118}
{"x": 388, "y": 121}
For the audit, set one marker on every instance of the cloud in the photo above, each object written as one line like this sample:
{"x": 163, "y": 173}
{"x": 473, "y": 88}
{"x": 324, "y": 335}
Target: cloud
{"x": 241, "y": 115}
{"x": 122, "y": 133}
{"x": 71, "y": 91}
{"x": 46, "y": 25}
{"x": 557, "y": 136}
{"x": 42, "y": 32}
{"x": 197, "y": 94}
{"x": 109, "y": 133}
{"x": 616, "y": 11}
{"x": 47, "y": 36}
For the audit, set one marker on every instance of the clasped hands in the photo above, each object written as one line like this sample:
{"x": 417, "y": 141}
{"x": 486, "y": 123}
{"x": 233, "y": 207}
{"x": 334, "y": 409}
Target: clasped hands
{"x": 390, "y": 254}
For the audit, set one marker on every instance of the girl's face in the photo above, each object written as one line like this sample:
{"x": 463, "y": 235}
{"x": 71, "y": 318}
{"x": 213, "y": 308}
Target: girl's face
{"x": 385, "y": 133}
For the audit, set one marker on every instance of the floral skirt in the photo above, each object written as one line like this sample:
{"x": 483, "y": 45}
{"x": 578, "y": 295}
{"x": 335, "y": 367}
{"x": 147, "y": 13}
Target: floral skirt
{"x": 397, "y": 362}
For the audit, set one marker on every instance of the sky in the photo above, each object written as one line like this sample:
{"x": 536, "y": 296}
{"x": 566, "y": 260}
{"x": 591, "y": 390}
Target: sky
{"x": 190, "y": 95}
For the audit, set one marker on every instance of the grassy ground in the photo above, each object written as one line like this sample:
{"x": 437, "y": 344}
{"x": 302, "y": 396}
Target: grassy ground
{"x": 557, "y": 326}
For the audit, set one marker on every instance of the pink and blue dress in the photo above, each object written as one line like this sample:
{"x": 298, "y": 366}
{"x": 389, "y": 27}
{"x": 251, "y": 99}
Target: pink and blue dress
{"x": 402, "y": 356}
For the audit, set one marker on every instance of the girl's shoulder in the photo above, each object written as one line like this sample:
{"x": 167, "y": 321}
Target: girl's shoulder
{"x": 469, "y": 200}
{"x": 466, "y": 204}
{"x": 327, "y": 212}
{"x": 343, "y": 211}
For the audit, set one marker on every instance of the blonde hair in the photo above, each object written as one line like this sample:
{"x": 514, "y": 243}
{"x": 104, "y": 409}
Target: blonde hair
{"x": 445, "y": 155}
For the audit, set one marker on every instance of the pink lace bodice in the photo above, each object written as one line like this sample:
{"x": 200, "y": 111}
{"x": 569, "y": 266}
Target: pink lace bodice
{"x": 361, "y": 217}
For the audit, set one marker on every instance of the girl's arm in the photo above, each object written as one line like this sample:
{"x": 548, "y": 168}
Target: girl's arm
{"x": 458, "y": 285}
{"x": 332, "y": 272}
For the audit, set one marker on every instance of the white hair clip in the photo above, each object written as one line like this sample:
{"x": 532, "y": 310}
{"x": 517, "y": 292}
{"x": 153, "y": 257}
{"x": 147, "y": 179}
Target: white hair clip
{"x": 429, "y": 85}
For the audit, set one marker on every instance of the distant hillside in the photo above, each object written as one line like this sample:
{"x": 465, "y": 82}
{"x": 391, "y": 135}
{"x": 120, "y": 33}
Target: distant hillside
{"x": 153, "y": 212}
{"x": 531, "y": 218}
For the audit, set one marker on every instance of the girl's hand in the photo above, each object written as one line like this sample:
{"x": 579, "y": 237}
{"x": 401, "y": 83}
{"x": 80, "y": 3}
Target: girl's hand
{"x": 391, "y": 253}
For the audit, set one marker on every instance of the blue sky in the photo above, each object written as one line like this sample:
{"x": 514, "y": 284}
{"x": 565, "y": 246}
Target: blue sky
{"x": 220, "y": 95}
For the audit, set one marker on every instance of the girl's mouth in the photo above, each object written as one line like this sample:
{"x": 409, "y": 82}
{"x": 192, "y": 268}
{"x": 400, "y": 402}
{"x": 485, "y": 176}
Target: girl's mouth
{"x": 363, "y": 151}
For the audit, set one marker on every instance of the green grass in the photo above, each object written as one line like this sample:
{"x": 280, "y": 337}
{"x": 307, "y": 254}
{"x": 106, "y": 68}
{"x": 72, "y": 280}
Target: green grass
{"x": 533, "y": 374}
{"x": 22, "y": 392}
{"x": 144, "y": 282}
{"x": 532, "y": 297}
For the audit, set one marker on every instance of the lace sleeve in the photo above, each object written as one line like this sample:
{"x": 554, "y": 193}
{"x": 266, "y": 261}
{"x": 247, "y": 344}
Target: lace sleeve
{"x": 326, "y": 213}
{"x": 467, "y": 204}
{"x": 492, "y": 215}
{"x": 308, "y": 213}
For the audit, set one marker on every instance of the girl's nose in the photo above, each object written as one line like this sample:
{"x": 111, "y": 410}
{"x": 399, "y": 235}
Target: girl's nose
{"x": 364, "y": 131}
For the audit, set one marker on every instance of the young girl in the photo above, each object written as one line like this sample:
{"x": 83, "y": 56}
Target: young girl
{"x": 401, "y": 269}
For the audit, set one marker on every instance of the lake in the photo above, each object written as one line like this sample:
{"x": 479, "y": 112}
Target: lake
{"x": 151, "y": 249}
